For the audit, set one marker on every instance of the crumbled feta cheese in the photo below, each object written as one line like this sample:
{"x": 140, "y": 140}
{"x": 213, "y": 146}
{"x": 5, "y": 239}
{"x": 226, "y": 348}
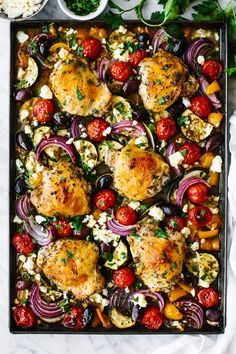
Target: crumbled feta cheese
{"x": 17, "y": 220}
{"x": 43, "y": 289}
{"x": 37, "y": 277}
{"x": 29, "y": 265}
{"x": 83, "y": 135}
{"x": 203, "y": 240}
{"x": 203, "y": 283}
{"x": 185, "y": 231}
{"x": 200, "y": 59}
{"x": 20, "y": 8}
{"x": 20, "y": 165}
{"x": 28, "y": 130}
{"x": 22, "y": 37}
{"x": 89, "y": 220}
{"x": 156, "y": 213}
{"x": 139, "y": 300}
{"x": 141, "y": 142}
{"x": 99, "y": 300}
{"x": 193, "y": 292}
{"x": 106, "y": 236}
{"x": 122, "y": 30}
{"x": 24, "y": 113}
{"x": 22, "y": 258}
{"x": 216, "y": 165}
{"x": 70, "y": 141}
{"x": 134, "y": 205}
{"x": 214, "y": 210}
{"x": 70, "y": 32}
{"x": 186, "y": 102}
{"x": 107, "y": 131}
{"x": 208, "y": 129}
{"x": 63, "y": 53}
{"x": 39, "y": 219}
{"x": 20, "y": 74}
{"x": 104, "y": 40}
{"x": 45, "y": 92}
{"x": 102, "y": 219}
{"x": 176, "y": 159}
{"x": 185, "y": 208}
{"x": 194, "y": 246}
{"x": 105, "y": 292}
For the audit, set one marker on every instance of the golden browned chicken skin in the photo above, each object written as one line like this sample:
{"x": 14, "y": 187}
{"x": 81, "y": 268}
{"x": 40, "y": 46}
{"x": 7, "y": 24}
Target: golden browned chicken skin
{"x": 138, "y": 174}
{"x": 158, "y": 261}
{"x": 77, "y": 88}
{"x": 63, "y": 191}
{"x": 72, "y": 266}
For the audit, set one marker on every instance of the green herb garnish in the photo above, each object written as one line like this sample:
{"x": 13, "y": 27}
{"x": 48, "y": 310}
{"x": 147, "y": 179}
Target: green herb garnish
{"x": 82, "y": 7}
{"x": 161, "y": 234}
{"x": 79, "y": 94}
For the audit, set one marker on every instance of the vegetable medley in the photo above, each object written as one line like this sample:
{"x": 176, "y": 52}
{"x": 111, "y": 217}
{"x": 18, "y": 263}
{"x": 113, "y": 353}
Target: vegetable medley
{"x": 118, "y": 166}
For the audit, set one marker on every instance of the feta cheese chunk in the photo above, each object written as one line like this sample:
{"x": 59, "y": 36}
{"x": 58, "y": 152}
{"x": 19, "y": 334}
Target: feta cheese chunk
{"x": 45, "y": 92}
{"x": 134, "y": 205}
{"x": 176, "y": 159}
{"x": 186, "y": 102}
{"x": 201, "y": 59}
{"x": 139, "y": 300}
{"x": 22, "y": 37}
{"x": 185, "y": 231}
{"x": 216, "y": 165}
{"x": 63, "y": 53}
{"x": 20, "y": 8}
{"x": 194, "y": 246}
{"x": 156, "y": 213}
{"x": 141, "y": 142}
{"x": 39, "y": 219}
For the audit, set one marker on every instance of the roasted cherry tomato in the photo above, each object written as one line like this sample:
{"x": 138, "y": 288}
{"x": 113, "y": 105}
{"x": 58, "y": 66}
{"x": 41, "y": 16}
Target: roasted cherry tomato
{"x": 121, "y": 70}
{"x": 212, "y": 69}
{"x": 191, "y": 153}
{"x": 175, "y": 223}
{"x": 201, "y": 106}
{"x": 24, "y": 316}
{"x": 152, "y": 318}
{"x": 105, "y": 199}
{"x": 96, "y": 129}
{"x": 23, "y": 243}
{"x": 43, "y": 110}
{"x": 125, "y": 215}
{"x": 74, "y": 318}
{"x": 198, "y": 193}
{"x": 136, "y": 57}
{"x": 165, "y": 128}
{"x": 200, "y": 215}
{"x": 208, "y": 297}
{"x": 123, "y": 277}
{"x": 63, "y": 228}
{"x": 92, "y": 48}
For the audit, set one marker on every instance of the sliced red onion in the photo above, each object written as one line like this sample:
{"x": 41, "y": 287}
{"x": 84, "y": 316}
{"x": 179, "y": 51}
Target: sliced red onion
{"x": 44, "y": 62}
{"x": 165, "y": 41}
{"x": 153, "y": 294}
{"x": 213, "y": 98}
{"x": 128, "y": 125}
{"x": 192, "y": 312}
{"x": 75, "y": 130}
{"x": 59, "y": 141}
{"x": 197, "y": 47}
{"x": 171, "y": 149}
{"x": 119, "y": 229}
{"x": 40, "y": 36}
{"x": 214, "y": 142}
{"x": 41, "y": 308}
{"x": 103, "y": 67}
{"x": 23, "y": 207}
{"x": 42, "y": 235}
{"x": 184, "y": 185}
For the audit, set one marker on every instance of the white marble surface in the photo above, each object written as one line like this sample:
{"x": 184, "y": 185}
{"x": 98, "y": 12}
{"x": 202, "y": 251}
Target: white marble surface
{"x": 50, "y": 344}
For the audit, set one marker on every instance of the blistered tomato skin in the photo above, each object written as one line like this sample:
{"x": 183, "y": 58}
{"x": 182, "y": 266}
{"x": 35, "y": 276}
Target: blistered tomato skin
{"x": 212, "y": 69}
{"x": 125, "y": 215}
{"x": 201, "y": 106}
{"x": 96, "y": 129}
{"x": 191, "y": 153}
{"x": 200, "y": 215}
{"x": 24, "y": 316}
{"x": 136, "y": 57}
{"x": 121, "y": 70}
{"x": 123, "y": 277}
{"x": 23, "y": 243}
{"x": 43, "y": 110}
{"x": 105, "y": 199}
{"x": 175, "y": 223}
{"x": 208, "y": 297}
{"x": 165, "y": 128}
{"x": 92, "y": 48}
{"x": 152, "y": 318}
{"x": 74, "y": 318}
{"x": 63, "y": 228}
{"x": 198, "y": 193}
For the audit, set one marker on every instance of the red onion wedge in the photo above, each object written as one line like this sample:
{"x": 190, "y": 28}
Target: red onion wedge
{"x": 47, "y": 312}
{"x": 213, "y": 98}
{"x": 104, "y": 66}
{"x": 197, "y": 47}
{"x": 164, "y": 40}
{"x": 59, "y": 141}
{"x": 171, "y": 149}
{"x": 119, "y": 229}
{"x": 184, "y": 185}
{"x": 154, "y": 295}
{"x": 23, "y": 207}
{"x": 135, "y": 129}
{"x": 213, "y": 142}
{"x": 75, "y": 130}
{"x": 42, "y": 235}
{"x": 192, "y": 312}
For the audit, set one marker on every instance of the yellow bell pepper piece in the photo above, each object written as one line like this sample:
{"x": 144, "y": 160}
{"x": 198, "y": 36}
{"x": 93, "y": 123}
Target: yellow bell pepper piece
{"x": 213, "y": 179}
{"x": 213, "y": 88}
{"x": 208, "y": 234}
{"x": 171, "y": 312}
{"x": 57, "y": 45}
{"x": 215, "y": 119}
{"x": 206, "y": 159}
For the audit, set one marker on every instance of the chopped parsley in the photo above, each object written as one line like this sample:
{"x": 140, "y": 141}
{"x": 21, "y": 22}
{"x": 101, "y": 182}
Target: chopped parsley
{"x": 79, "y": 94}
{"x": 158, "y": 81}
{"x": 72, "y": 42}
{"x": 173, "y": 265}
{"x": 133, "y": 234}
{"x": 21, "y": 84}
{"x": 182, "y": 121}
{"x": 82, "y": 7}
{"x": 161, "y": 234}
{"x": 162, "y": 100}
{"x": 77, "y": 223}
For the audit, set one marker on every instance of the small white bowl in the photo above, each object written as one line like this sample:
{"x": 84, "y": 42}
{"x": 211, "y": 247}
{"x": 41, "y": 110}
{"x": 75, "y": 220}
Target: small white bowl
{"x": 3, "y": 16}
{"x": 100, "y": 9}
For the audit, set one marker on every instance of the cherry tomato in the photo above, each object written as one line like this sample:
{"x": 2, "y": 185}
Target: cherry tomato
{"x": 121, "y": 70}
{"x": 191, "y": 153}
{"x": 63, "y": 228}
{"x": 165, "y": 128}
{"x": 212, "y": 69}
{"x": 136, "y": 57}
{"x": 123, "y": 277}
{"x": 105, "y": 199}
{"x": 175, "y": 223}
{"x": 24, "y": 316}
{"x": 96, "y": 129}
{"x": 208, "y": 297}
{"x": 200, "y": 215}
{"x": 92, "y": 48}
{"x": 74, "y": 318}
{"x": 201, "y": 106}
{"x": 43, "y": 110}
{"x": 152, "y": 318}
{"x": 23, "y": 243}
{"x": 198, "y": 193}
{"x": 125, "y": 215}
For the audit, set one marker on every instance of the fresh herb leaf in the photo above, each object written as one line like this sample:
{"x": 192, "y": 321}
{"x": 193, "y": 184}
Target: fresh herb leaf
{"x": 21, "y": 84}
{"x": 77, "y": 223}
{"x": 82, "y": 7}
{"x": 161, "y": 234}
{"x": 113, "y": 20}
{"x": 182, "y": 121}
{"x": 79, "y": 94}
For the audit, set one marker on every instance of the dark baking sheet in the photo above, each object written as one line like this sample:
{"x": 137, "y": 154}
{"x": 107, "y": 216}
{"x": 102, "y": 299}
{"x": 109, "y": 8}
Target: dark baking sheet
{"x": 221, "y": 27}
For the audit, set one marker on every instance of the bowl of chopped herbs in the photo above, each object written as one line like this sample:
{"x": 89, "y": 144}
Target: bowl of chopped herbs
{"x": 83, "y": 9}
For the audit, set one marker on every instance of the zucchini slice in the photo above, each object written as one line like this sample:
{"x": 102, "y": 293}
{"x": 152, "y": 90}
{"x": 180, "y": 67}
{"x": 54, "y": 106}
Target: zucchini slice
{"x": 121, "y": 109}
{"x": 41, "y": 133}
{"x": 194, "y": 128}
{"x": 105, "y": 146}
{"x": 119, "y": 257}
{"x": 88, "y": 153}
{"x": 119, "y": 320}
{"x": 30, "y": 75}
